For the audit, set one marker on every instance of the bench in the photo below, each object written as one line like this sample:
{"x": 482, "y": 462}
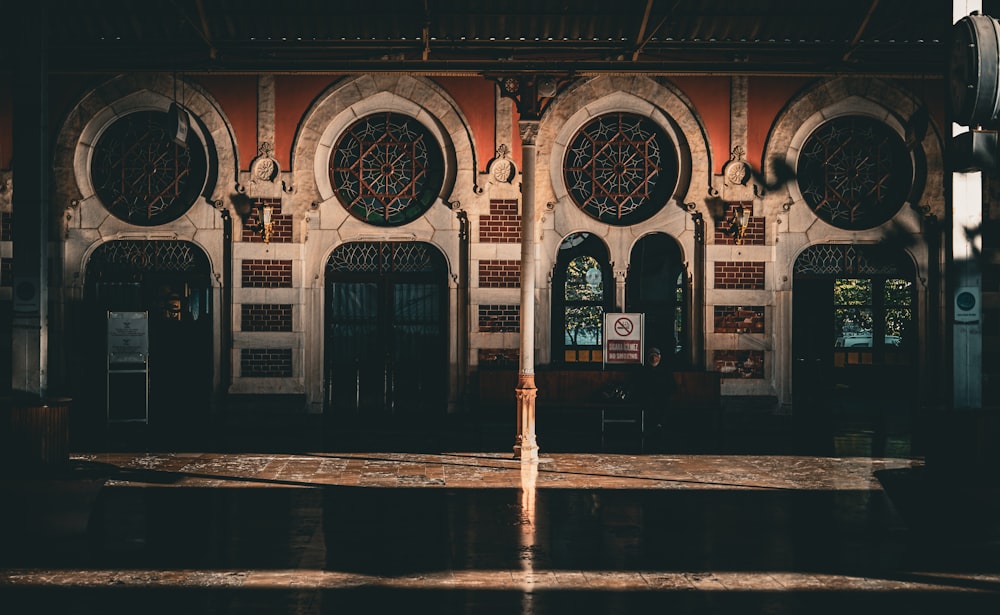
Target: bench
{"x": 578, "y": 395}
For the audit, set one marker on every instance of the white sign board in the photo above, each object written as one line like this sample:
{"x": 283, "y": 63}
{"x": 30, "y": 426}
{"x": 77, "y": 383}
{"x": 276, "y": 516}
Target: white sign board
{"x": 128, "y": 337}
{"x": 623, "y": 338}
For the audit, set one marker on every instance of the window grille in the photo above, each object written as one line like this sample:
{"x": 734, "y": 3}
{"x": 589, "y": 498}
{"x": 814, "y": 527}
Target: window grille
{"x": 142, "y": 175}
{"x": 620, "y": 168}
{"x": 854, "y": 172}
{"x": 387, "y": 169}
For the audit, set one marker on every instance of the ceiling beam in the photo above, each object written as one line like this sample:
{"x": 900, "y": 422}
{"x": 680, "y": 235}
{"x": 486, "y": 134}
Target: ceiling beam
{"x": 853, "y": 46}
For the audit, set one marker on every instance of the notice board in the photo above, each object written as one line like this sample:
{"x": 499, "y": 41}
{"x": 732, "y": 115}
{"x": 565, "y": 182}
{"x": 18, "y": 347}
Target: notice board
{"x": 128, "y": 337}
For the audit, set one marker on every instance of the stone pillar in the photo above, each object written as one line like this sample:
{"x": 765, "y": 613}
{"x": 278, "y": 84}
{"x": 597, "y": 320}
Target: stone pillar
{"x": 698, "y": 283}
{"x": 265, "y": 109}
{"x": 738, "y": 112}
{"x": 32, "y": 177}
{"x": 620, "y": 277}
{"x": 526, "y": 445}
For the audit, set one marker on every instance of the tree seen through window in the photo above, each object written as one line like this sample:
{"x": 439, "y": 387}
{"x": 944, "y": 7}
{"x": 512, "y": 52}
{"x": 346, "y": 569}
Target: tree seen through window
{"x": 584, "y": 296}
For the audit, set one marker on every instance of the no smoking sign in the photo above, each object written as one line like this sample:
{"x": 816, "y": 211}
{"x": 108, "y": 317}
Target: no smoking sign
{"x": 624, "y": 327}
{"x": 623, "y": 338}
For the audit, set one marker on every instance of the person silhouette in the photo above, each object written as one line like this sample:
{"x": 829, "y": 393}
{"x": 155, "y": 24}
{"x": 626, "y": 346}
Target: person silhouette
{"x": 656, "y": 387}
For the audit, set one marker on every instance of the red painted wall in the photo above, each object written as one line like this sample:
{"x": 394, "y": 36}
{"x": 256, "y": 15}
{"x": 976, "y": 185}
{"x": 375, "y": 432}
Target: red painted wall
{"x": 711, "y": 99}
{"x": 293, "y": 95}
{"x": 476, "y": 98}
{"x": 237, "y": 95}
{"x": 6, "y": 127}
{"x": 766, "y": 97}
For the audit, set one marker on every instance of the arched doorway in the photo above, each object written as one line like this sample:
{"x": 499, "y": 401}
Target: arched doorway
{"x": 854, "y": 339}
{"x": 655, "y": 287}
{"x": 171, "y": 282}
{"x": 385, "y": 346}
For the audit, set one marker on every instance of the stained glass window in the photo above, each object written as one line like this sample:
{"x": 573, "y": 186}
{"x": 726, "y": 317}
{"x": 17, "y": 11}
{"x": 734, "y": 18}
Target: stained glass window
{"x": 142, "y": 175}
{"x": 387, "y": 169}
{"x": 854, "y": 172}
{"x": 620, "y": 168}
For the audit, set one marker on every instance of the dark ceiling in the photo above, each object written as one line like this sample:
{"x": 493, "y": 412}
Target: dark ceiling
{"x": 580, "y": 36}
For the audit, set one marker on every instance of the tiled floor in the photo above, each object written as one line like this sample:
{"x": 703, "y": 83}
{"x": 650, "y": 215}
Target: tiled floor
{"x": 473, "y": 531}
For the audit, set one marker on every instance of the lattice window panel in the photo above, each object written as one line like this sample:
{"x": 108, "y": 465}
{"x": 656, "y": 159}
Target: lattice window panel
{"x": 382, "y": 257}
{"x": 179, "y": 256}
{"x": 620, "y": 168}
{"x": 387, "y": 169}
{"x": 142, "y": 175}
{"x": 855, "y": 172}
{"x": 848, "y": 260}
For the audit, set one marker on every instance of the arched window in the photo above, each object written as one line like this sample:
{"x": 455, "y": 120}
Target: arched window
{"x": 583, "y": 291}
{"x": 854, "y": 172}
{"x": 655, "y": 287}
{"x": 620, "y": 168}
{"x": 387, "y": 169}
{"x": 143, "y": 173}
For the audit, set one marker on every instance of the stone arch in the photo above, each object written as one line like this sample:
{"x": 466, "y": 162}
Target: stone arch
{"x": 670, "y": 110}
{"x": 865, "y": 96}
{"x": 660, "y": 101}
{"x": 84, "y": 221}
{"x": 353, "y": 98}
{"x": 127, "y": 93}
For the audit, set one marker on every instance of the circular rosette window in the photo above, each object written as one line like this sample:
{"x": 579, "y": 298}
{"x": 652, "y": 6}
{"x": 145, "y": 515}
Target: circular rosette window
{"x": 144, "y": 172}
{"x": 854, "y": 172}
{"x": 387, "y": 169}
{"x": 620, "y": 168}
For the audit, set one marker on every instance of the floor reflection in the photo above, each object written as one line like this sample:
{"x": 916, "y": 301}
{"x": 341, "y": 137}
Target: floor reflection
{"x": 763, "y": 516}
{"x": 522, "y": 549}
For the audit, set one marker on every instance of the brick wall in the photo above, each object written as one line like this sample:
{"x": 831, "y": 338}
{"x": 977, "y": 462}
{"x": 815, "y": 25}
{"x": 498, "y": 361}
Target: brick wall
{"x": 281, "y": 229}
{"x": 502, "y": 224}
{"x": 739, "y": 319}
{"x": 753, "y": 235}
{"x": 499, "y": 357}
{"x": 738, "y": 363}
{"x": 266, "y": 317}
{"x": 743, "y": 275}
{"x": 267, "y": 274}
{"x": 499, "y": 274}
{"x": 499, "y": 318}
{"x": 266, "y": 362}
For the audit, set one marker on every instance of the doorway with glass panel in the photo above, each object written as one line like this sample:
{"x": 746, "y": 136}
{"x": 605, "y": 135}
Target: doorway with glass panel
{"x": 386, "y": 321}
{"x": 854, "y": 337}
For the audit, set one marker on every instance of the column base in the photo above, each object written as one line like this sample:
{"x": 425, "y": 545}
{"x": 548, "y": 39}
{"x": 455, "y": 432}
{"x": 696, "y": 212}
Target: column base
{"x": 526, "y": 450}
{"x": 525, "y": 444}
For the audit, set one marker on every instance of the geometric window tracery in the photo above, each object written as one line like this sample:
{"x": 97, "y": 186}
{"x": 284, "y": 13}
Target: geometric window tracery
{"x": 620, "y": 168}
{"x": 383, "y": 258}
{"x": 141, "y": 175}
{"x": 854, "y": 172}
{"x": 387, "y": 169}
{"x": 137, "y": 256}
{"x": 848, "y": 260}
